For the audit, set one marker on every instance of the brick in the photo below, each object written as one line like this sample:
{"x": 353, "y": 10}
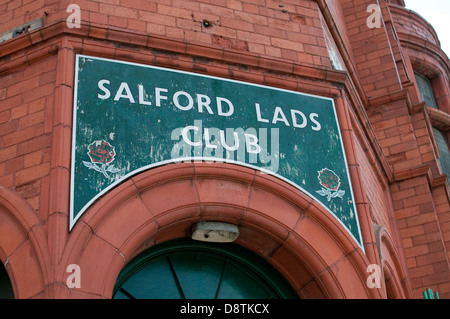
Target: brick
{"x": 7, "y": 180}
{"x": 403, "y": 147}
{"x": 425, "y": 238}
{"x": 436, "y": 278}
{"x": 137, "y": 25}
{"x": 176, "y": 12}
{"x": 390, "y": 141}
{"x": 286, "y": 44}
{"x": 13, "y": 4}
{"x": 232, "y": 4}
{"x": 414, "y": 153}
{"x": 13, "y": 165}
{"x": 312, "y": 40}
{"x": 191, "y": 5}
{"x": 238, "y": 24}
{"x": 251, "y": 18}
{"x": 113, "y": 2}
{"x": 3, "y": 94}
{"x": 219, "y": 11}
{"x": 32, "y": 173}
{"x": 8, "y": 153}
{"x": 412, "y": 231}
{"x": 416, "y": 251}
{"x": 99, "y": 18}
{"x": 431, "y": 258}
{"x": 28, "y": 8}
{"x": 289, "y": 55}
{"x": 22, "y": 86}
{"x": 277, "y": 33}
{"x": 5, "y": 116}
{"x": 231, "y": 43}
{"x": 47, "y": 77}
{"x": 32, "y": 159}
{"x": 32, "y": 145}
{"x": 421, "y": 219}
{"x": 33, "y": 202}
{"x": 391, "y": 123}
{"x": 174, "y": 32}
{"x": 221, "y": 31}
{"x": 252, "y": 37}
{"x": 117, "y": 21}
{"x": 37, "y": 68}
{"x": 411, "y": 262}
{"x": 251, "y": 8}
{"x": 270, "y": 50}
{"x": 19, "y": 111}
{"x": 407, "y": 212}
{"x": 188, "y": 24}
{"x": 139, "y": 4}
{"x": 197, "y": 36}
{"x": 403, "y": 194}
{"x": 421, "y": 271}
{"x": 31, "y": 119}
{"x": 155, "y": 18}
{"x": 412, "y": 182}
{"x": 36, "y": 93}
{"x": 36, "y": 105}
{"x": 119, "y": 11}
{"x": 417, "y": 200}
{"x": 8, "y": 127}
{"x": 199, "y": 17}
{"x": 315, "y": 50}
{"x": 17, "y": 137}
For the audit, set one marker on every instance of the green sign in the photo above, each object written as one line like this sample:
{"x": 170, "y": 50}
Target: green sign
{"x": 130, "y": 117}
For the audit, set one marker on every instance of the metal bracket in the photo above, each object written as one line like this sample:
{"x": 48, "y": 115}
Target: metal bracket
{"x": 22, "y": 29}
{"x": 216, "y": 232}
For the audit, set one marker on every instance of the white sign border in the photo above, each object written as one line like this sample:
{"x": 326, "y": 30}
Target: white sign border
{"x": 184, "y": 159}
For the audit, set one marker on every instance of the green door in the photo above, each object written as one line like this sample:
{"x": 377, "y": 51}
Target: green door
{"x": 186, "y": 269}
{"x": 6, "y": 290}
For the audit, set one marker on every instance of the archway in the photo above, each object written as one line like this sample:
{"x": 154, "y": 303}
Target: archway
{"x": 6, "y": 291}
{"x": 188, "y": 269}
{"x": 23, "y": 248}
{"x": 395, "y": 279}
{"x": 282, "y": 225}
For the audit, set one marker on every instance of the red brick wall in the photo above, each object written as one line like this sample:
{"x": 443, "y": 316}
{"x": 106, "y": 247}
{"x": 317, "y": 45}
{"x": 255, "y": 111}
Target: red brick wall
{"x": 289, "y": 30}
{"x": 403, "y": 132}
{"x": 374, "y": 189}
{"x": 26, "y": 107}
{"x": 280, "y": 44}
{"x": 17, "y": 12}
{"x": 339, "y": 20}
{"x": 423, "y": 201}
{"x": 410, "y": 22}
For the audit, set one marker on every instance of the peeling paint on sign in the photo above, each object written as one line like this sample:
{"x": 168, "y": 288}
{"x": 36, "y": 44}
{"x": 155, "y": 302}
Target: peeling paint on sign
{"x": 130, "y": 117}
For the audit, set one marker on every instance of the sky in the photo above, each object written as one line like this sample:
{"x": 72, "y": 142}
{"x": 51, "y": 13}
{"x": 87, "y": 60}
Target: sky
{"x": 437, "y": 13}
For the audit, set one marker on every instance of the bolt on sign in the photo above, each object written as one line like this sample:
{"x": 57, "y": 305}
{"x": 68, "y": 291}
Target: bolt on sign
{"x": 129, "y": 118}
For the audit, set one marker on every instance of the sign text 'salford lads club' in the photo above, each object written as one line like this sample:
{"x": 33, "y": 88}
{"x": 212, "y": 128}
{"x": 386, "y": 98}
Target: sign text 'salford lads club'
{"x": 130, "y": 117}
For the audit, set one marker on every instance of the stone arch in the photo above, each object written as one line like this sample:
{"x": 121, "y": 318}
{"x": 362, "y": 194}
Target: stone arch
{"x": 23, "y": 248}
{"x": 308, "y": 246}
{"x": 394, "y": 276}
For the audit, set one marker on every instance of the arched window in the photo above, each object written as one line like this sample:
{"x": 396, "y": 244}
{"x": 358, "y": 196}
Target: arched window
{"x": 6, "y": 291}
{"x": 444, "y": 152}
{"x": 427, "y": 95}
{"x": 186, "y": 269}
{"x": 425, "y": 90}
